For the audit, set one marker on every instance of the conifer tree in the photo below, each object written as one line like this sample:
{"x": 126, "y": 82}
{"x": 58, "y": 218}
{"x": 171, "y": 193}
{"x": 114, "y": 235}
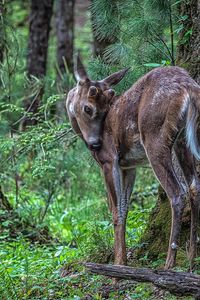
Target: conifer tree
{"x": 188, "y": 54}
{"x": 144, "y": 35}
{"x": 138, "y": 26}
{"x": 108, "y": 37}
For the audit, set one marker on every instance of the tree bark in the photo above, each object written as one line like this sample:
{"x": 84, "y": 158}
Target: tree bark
{"x": 188, "y": 50}
{"x": 4, "y": 203}
{"x": 2, "y": 37}
{"x": 39, "y": 28}
{"x": 65, "y": 35}
{"x": 156, "y": 236}
{"x": 178, "y": 283}
{"x": 65, "y": 50}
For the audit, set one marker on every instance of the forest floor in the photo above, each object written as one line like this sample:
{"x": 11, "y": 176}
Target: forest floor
{"x": 40, "y": 272}
{"x": 56, "y": 271}
{"x": 46, "y": 260}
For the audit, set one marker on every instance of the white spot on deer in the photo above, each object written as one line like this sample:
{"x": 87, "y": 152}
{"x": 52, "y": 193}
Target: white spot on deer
{"x": 191, "y": 132}
{"x": 130, "y": 126}
{"x": 71, "y": 108}
{"x": 193, "y": 184}
{"x": 117, "y": 110}
{"x": 184, "y": 105}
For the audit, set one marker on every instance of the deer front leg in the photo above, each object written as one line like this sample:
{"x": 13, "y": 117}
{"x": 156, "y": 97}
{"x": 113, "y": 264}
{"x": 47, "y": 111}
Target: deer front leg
{"x": 119, "y": 185}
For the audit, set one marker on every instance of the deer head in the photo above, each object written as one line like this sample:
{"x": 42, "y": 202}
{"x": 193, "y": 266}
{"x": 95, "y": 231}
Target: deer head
{"x": 91, "y": 102}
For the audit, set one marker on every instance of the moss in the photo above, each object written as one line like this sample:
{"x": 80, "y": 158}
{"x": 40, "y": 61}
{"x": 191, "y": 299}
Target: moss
{"x": 155, "y": 238}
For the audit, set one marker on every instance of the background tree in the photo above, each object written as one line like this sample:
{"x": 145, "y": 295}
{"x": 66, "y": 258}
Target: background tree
{"x": 39, "y": 28}
{"x": 144, "y": 35}
{"x": 2, "y": 38}
{"x": 103, "y": 38}
{"x": 188, "y": 50}
{"x": 65, "y": 49}
{"x": 65, "y": 35}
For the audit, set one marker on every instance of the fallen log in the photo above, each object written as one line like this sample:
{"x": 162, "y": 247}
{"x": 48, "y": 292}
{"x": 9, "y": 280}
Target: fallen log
{"x": 178, "y": 283}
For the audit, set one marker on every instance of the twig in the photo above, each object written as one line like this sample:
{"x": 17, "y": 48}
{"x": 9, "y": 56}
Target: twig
{"x": 47, "y": 205}
{"x": 171, "y": 35}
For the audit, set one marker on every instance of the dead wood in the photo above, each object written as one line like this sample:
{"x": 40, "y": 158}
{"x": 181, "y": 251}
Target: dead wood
{"x": 178, "y": 283}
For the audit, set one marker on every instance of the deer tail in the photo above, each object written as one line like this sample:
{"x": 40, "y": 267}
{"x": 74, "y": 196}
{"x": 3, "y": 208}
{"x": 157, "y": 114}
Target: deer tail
{"x": 193, "y": 121}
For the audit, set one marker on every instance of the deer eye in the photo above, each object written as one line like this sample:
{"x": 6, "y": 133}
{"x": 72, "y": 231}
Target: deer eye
{"x": 88, "y": 110}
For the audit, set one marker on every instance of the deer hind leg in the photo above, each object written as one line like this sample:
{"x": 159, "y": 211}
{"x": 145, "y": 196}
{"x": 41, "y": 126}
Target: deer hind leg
{"x": 187, "y": 164}
{"x": 161, "y": 162}
{"x": 119, "y": 185}
{"x": 194, "y": 203}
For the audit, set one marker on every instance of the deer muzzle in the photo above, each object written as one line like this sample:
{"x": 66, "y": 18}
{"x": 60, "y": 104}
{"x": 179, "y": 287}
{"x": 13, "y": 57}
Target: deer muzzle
{"x": 94, "y": 145}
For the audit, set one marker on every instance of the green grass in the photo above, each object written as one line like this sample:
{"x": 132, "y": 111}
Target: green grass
{"x": 55, "y": 270}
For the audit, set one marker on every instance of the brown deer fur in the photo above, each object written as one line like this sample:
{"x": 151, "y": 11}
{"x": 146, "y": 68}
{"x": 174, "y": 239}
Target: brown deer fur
{"x": 157, "y": 115}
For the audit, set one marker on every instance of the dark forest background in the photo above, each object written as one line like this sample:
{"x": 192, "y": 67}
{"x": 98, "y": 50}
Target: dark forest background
{"x": 53, "y": 211}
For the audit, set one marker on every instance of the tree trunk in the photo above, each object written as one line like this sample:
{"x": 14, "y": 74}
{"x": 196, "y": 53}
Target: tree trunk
{"x": 65, "y": 35}
{"x": 99, "y": 46}
{"x": 188, "y": 51}
{"x": 156, "y": 236}
{"x": 39, "y": 28}
{"x": 4, "y": 202}
{"x": 65, "y": 49}
{"x": 2, "y": 38}
{"x": 178, "y": 283}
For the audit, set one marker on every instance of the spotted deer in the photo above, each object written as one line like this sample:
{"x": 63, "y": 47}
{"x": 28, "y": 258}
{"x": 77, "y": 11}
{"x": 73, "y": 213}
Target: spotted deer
{"x": 157, "y": 116}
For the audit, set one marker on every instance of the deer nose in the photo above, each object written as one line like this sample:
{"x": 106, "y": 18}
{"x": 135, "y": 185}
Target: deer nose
{"x": 95, "y": 144}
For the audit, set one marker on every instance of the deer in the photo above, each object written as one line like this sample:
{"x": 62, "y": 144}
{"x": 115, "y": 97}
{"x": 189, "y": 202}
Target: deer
{"x": 156, "y": 117}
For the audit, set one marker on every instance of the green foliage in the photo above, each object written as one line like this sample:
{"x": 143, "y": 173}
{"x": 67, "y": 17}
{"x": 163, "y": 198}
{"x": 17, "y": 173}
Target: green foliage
{"x": 105, "y": 19}
{"x": 144, "y": 32}
{"x": 27, "y": 271}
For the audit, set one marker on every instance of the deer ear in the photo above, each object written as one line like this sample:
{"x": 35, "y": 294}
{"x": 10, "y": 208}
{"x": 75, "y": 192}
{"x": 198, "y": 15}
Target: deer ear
{"x": 109, "y": 94}
{"x": 79, "y": 69}
{"x": 116, "y": 77}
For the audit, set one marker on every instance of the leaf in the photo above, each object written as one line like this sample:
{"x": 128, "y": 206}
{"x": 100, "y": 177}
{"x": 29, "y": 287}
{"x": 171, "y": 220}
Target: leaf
{"x": 152, "y": 65}
{"x": 185, "y": 17}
